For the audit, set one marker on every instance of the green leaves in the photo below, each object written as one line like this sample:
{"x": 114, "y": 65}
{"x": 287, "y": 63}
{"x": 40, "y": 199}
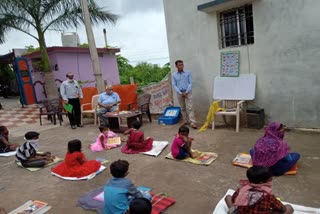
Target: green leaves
{"x": 143, "y": 73}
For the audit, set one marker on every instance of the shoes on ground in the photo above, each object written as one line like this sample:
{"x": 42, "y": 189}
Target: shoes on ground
{"x": 73, "y": 126}
{"x": 194, "y": 126}
{"x": 80, "y": 125}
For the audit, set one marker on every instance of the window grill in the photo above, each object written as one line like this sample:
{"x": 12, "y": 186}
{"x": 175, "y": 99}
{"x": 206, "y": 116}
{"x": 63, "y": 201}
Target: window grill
{"x": 237, "y": 27}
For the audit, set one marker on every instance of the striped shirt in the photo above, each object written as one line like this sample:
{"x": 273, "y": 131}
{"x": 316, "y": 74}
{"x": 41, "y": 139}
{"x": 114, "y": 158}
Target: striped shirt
{"x": 70, "y": 90}
{"x": 27, "y": 150}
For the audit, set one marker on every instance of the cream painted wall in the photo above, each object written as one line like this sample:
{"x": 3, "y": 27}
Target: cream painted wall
{"x": 285, "y": 56}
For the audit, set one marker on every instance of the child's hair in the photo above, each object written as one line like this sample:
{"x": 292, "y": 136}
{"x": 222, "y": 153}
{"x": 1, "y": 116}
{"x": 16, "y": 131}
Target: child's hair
{"x": 259, "y": 174}
{"x": 119, "y": 168}
{"x": 31, "y": 135}
{"x": 140, "y": 206}
{"x": 183, "y": 130}
{"x": 106, "y": 126}
{"x": 74, "y": 146}
{"x": 136, "y": 124}
{"x": 3, "y": 129}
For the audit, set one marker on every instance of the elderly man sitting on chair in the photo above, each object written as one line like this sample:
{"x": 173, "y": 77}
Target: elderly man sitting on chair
{"x": 108, "y": 102}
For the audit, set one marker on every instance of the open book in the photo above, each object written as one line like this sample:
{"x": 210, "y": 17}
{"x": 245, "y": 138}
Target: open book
{"x": 114, "y": 141}
{"x": 32, "y": 207}
{"x": 243, "y": 160}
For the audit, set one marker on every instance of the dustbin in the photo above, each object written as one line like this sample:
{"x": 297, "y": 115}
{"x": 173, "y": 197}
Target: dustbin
{"x": 255, "y": 117}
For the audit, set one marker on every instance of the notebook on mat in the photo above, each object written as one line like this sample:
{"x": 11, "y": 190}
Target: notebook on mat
{"x": 157, "y": 148}
{"x": 32, "y": 207}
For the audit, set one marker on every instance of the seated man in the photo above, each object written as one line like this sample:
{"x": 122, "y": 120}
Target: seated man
{"x": 108, "y": 102}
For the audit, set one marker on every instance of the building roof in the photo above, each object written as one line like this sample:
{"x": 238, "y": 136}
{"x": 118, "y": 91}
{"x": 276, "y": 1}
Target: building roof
{"x": 7, "y": 58}
{"x": 59, "y": 49}
{"x": 218, "y": 5}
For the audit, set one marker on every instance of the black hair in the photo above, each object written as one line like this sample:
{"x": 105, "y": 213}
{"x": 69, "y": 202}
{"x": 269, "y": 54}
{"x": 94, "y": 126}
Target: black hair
{"x": 2, "y": 129}
{"x": 106, "y": 126}
{"x": 140, "y": 206}
{"x": 259, "y": 174}
{"x": 136, "y": 124}
{"x": 119, "y": 168}
{"x": 183, "y": 130}
{"x": 31, "y": 135}
{"x": 178, "y": 61}
{"x": 74, "y": 146}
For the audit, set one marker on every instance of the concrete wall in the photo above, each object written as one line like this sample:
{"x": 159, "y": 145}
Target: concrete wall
{"x": 285, "y": 56}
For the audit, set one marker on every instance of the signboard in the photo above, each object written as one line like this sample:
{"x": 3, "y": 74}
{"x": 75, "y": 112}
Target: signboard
{"x": 160, "y": 95}
{"x": 230, "y": 63}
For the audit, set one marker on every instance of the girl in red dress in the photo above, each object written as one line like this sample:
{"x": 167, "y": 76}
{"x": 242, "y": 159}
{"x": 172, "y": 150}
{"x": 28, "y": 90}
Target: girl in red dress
{"x": 75, "y": 163}
{"x": 136, "y": 142}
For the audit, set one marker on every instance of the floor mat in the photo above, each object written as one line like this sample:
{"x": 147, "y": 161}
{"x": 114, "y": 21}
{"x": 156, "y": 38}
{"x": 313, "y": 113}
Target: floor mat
{"x": 157, "y": 148}
{"x": 88, "y": 177}
{"x": 33, "y": 169}
{"x": 8, "y": 154}
{"x": 203, "y": 158}
{"x": 222, "y": 208}
{"x": 160, "y": 202}
{"x": 244, "y": 160}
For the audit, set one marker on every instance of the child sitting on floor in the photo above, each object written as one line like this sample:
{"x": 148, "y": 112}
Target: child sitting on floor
{"x": 5, "y": 146}
{"x": 255, "y": 194}
{"x": 120, "y": 191}
{"x": 136, "y": 142}
{"x": 181, "y": 146}
{"x": 102, "y": 140}
{"x": 140, "y": 206}
{"x": 27, "y": 153}
{"x": 75, "y": 163}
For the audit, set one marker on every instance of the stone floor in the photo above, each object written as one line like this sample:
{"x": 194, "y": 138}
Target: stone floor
{"x": 197, "y": 189}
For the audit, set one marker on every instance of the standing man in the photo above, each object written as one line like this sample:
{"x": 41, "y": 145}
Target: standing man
{"x": 182, "y": 84}
{"x": 108, "y": 102}
{"x": 71, "y": 93}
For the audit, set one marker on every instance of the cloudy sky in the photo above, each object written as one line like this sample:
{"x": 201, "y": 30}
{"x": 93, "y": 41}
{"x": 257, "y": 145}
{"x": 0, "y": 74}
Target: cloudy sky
{"x": 140, "y": 32}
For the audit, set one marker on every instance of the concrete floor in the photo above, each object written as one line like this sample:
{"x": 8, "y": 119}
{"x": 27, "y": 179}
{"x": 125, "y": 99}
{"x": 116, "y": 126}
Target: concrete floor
{"x": 197, "y": 189}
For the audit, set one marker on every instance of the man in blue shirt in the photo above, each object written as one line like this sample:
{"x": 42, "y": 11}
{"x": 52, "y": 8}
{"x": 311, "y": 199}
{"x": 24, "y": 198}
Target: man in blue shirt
{"x": 108, "y": 102}
{"x": 182, "y": 84}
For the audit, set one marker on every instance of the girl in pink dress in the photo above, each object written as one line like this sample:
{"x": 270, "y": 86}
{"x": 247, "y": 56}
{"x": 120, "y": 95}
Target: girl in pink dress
{"x": 102, "y": 140}
{"x": 136, "y": 142}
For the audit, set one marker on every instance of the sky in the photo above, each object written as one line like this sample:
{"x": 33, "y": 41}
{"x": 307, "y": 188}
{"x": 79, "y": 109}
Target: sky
{"x": 140, "y": 32}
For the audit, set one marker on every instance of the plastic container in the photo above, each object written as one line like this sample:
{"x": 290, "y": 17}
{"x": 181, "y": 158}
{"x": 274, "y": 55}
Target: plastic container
{"x": 170, "y": 116}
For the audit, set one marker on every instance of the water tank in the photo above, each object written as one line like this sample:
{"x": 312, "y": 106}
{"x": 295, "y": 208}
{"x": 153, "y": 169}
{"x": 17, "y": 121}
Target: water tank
{"x": 70, "y": 39}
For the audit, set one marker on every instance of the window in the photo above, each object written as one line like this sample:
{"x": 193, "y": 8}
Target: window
{"x": 236, "y": 27}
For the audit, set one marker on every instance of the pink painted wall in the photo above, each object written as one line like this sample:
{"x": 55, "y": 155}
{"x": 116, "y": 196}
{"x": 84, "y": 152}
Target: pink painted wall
{"x": 80, "y": 65}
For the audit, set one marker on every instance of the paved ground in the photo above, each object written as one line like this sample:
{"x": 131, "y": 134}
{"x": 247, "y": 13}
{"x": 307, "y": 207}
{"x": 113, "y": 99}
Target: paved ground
{"x": 196, "y": 188}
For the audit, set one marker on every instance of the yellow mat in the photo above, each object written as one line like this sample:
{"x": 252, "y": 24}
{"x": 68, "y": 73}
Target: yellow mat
{"x": 33, "y": 169}
{"x": 203, "y": 158}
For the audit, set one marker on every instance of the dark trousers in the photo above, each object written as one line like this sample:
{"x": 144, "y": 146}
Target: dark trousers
{"x": 35, "y": 163}
{"x": 75, "y": 115}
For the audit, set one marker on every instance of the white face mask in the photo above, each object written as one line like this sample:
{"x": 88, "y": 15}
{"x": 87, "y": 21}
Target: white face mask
{"x": 70, "y": 80}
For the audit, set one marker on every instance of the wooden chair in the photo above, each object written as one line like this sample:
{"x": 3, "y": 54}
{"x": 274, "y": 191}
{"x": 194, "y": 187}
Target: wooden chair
{"x": 61, "y": 112}
{"x": 49, "y": 108}
{"x": 93, "y": 110}
{"x": 233, "y": 108}
{"x": 143, "y": 105}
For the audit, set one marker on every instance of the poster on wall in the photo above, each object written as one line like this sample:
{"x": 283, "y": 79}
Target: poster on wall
{"x": 230, "y": 63}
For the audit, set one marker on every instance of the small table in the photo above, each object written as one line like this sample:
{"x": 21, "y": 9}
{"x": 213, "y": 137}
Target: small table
{"x": 129, "y": 116}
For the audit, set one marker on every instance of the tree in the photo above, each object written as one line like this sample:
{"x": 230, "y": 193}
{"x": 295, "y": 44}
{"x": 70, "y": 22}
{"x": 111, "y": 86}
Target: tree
{"x": 143, "y": 73}
{"x": 41, "y": 15}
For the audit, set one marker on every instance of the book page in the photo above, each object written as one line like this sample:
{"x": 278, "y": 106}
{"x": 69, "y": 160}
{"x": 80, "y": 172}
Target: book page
{"x": 114, "y": 140}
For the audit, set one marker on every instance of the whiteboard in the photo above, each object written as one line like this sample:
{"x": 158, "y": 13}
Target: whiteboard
{"x": 235, "y": 88}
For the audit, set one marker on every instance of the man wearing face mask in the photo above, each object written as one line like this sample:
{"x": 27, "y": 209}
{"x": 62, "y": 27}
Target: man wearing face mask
{"x": 71, "y": 93}
{"x": 108, "y": 102}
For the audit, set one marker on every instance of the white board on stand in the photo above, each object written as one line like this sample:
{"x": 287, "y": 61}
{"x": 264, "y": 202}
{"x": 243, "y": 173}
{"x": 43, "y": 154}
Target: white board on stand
{"x": 235, "y": 88}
